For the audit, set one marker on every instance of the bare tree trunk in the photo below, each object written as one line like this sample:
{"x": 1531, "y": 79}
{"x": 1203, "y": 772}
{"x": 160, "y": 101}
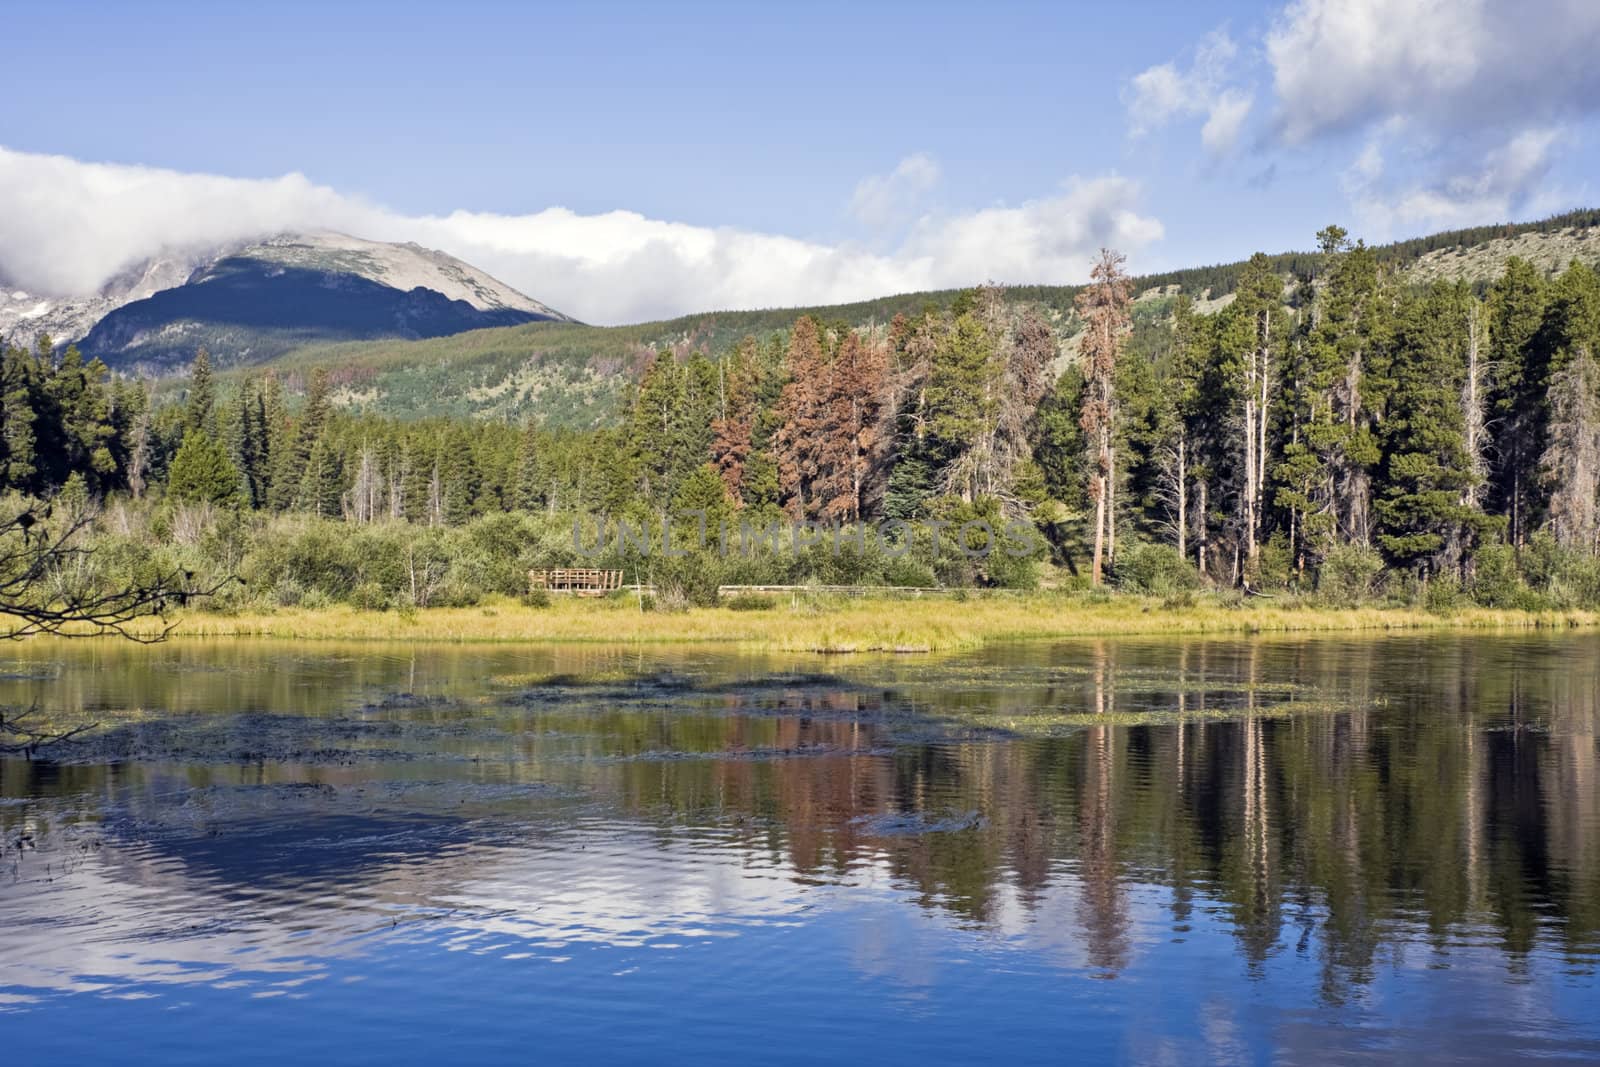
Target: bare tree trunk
{"x": 1104, "y": 307}
{"x": 1099, "y": 533}
{"x": 1356, "y": 485}
{"x": 1516, "y": 497}
{"x": 1257, "y": 395}
{"x": 367, "y": 493}
{"x": 1183, "y": 495}
{"x": 435, "y": 497}
{"x": 397, "y": 504}
{"x": 139, "y": 455}
{"x": 1248, "y": 493}
{"x": 1111, "y": 505}
{"x": 1261, "y": 416}
{"x": 1472, "y": 410}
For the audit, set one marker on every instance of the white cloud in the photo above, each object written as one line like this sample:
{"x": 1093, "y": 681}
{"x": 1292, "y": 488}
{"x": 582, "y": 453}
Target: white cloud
{"x": 68, "y": 226}
{"x": 1053, "y": 237}
{"x": 1164, "y": 93}
{"x": 884, "y": 200}
{"x": 1222, "y": 127}
{"x": 1341, "y": 64}
{"x": 1507, "y": 181}
{"x": 1461, "y": 106}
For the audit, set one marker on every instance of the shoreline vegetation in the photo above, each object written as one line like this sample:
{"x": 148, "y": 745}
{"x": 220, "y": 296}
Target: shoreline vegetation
{"x": 805, "y": 623}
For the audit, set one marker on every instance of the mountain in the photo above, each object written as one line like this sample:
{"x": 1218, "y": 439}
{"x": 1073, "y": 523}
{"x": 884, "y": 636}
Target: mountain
{"x": 25, "y": 315}
{"x": 250, "y": 303}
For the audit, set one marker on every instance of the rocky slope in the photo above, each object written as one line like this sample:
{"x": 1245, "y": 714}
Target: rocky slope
{"x": 250, "y": 302}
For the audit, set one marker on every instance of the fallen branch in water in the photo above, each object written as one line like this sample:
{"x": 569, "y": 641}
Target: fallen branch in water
{"x": 16, "y": 726}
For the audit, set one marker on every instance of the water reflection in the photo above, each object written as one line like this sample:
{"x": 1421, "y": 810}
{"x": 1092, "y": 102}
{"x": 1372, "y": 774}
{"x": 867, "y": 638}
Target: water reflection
{"x": 1287, "y": 838}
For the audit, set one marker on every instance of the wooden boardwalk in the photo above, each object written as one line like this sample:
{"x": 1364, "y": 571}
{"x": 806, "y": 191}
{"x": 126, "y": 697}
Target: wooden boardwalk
{"x": 581, "y": 581}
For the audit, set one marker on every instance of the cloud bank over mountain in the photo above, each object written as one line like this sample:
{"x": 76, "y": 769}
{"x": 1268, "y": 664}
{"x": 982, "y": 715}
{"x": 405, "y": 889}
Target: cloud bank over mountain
{"x": 71, "y": 225}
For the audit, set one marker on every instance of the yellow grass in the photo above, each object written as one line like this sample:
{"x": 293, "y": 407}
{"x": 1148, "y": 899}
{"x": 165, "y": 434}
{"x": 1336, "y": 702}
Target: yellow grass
{"x": 893, "y": 625}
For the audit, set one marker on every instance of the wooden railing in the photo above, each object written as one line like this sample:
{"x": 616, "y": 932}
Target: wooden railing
{"x": 593, "y": 582}
{"x": 584, "y": 581}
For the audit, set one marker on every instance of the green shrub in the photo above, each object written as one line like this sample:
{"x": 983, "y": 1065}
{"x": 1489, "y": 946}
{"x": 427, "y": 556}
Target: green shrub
{"x": 907, "y": 572}
{"x": 1154, "y": 570}
{"x": 1564, "y": 577}
{"x": 287, "y": 593}
{"x": 1496, "y": 581}
{"x": 1274, "y": 564}
{"x": 684, "y": 580}
{"x": 1349, "y": 576}
{"x": 314, "y": 599}
{"x": 750, "y": 602}
{"x": 1443, "y": 595}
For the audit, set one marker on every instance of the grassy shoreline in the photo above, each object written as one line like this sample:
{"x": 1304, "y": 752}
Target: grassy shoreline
{"x": 865, "y": 625}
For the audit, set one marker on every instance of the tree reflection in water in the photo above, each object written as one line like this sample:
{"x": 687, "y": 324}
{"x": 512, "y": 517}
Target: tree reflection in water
{"x": 1338, "y": 801}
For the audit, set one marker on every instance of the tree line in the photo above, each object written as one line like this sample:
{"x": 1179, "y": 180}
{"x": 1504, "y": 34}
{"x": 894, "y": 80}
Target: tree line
{"x": 1335, "y": 425}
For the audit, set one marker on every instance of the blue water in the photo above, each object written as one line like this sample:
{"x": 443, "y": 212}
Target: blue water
{"x": 496, "y": 869}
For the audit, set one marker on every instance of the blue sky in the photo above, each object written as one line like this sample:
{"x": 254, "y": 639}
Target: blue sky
{"x": 629, "y": 160}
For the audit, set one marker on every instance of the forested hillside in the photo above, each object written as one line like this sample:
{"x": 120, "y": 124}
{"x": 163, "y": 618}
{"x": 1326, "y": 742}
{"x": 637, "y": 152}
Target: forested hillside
{"x": 575, "y": 376}
{"x": 1346, "y": 431}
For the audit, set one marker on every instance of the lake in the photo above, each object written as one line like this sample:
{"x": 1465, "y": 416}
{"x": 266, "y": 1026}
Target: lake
{"x": 1145, "y": 851}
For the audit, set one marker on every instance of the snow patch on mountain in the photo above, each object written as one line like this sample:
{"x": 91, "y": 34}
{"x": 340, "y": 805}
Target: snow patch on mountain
{"x": 402, "y": 266}
{"x": 24, "y": 315}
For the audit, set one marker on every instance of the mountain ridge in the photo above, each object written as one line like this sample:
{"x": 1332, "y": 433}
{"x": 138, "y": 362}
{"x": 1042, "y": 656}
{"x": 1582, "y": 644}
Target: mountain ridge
{"x": 149, "y": 317}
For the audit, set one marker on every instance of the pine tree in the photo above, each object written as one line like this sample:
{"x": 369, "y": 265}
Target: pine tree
{"x": 1252, "y": 338}
{"x": 733, "y": 431}
{"x": 248, "y": 441}
{"x": 1350, "y": 332}
{"x": 1178, "y": 415}
{"x": 657, "y": 404}
{"x": 279, "y": 477}
{"x": 1569, "y": 448}
{"x": 294, "y": 472}
{"x": 322, "y": 483}
{"x": 1517, "y": 303}
{"x": 702, "y": 492}
{"x": 201, "y": 472}
{"x": 200, "y": 412}
{"x": 803, "y": 417}
{"x": 530, "y": 491}
{"x": 851, "y": 448}
{"x": 961, "y": 402}
{"x": 418, "y": 461}
{"x": 1059, "y": 445}
{"x": 1571, "y": 462}
{"x": 18, "y": 384}
{"x": 1420, "y": 518}
{"x": 78, "y": 401}
{"x": 1028, "y": 353}
{"x": 459, "y": 478}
